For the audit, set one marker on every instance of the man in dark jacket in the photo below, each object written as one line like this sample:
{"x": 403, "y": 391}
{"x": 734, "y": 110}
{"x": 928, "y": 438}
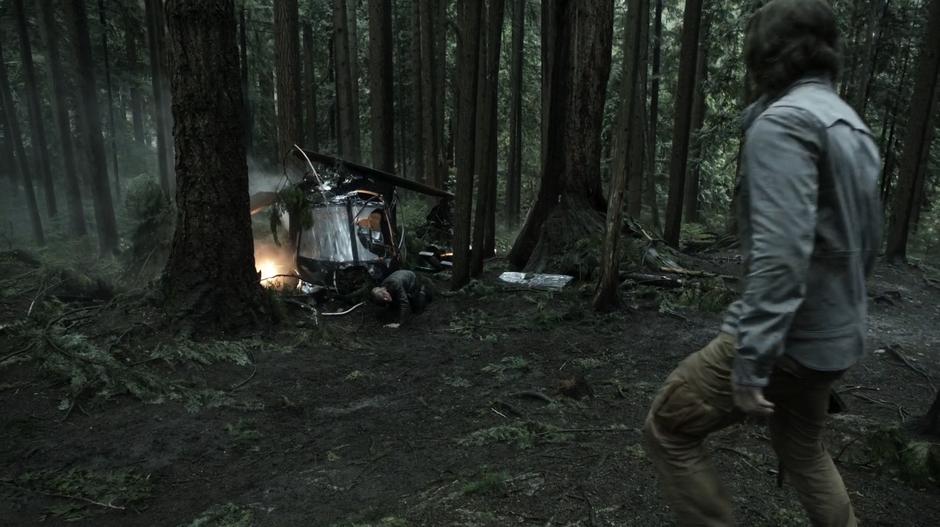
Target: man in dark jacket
{"x": 810, "y": 226}
{"x": 404, "y": 294}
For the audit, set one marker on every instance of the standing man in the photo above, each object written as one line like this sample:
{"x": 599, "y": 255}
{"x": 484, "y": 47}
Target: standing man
{"x": 810, "y": 228}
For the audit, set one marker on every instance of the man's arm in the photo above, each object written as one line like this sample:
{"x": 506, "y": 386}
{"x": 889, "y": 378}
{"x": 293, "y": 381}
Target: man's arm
{"x": 781, "y": 152}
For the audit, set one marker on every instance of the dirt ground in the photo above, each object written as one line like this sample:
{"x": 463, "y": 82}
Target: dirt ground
{"x": 454, "y": 420}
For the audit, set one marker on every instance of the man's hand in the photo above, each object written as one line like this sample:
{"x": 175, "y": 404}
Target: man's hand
{"x": 751, "y": 401}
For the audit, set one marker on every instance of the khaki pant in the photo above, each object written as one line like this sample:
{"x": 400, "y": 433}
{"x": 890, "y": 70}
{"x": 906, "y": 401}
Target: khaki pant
{"x": 696, "y": 400}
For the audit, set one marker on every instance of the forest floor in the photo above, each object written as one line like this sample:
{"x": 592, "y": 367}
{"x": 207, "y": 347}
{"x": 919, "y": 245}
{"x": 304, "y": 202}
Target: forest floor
{"x": 455, "y": 419}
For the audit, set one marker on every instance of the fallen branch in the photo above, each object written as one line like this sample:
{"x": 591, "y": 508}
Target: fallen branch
{"x": 64, "y": 496}
{"x": 244, "y": 382}
{"x": 917, "y": 369}
{"x": 9, "y": 356}
{"x": 534, "y": 395}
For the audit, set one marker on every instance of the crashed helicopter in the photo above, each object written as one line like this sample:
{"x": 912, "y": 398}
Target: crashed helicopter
{"x": 349, "y": 221}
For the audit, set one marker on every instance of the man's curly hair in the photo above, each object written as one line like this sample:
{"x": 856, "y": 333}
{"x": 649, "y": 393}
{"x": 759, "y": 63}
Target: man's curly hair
{"x": 787, "y": 40}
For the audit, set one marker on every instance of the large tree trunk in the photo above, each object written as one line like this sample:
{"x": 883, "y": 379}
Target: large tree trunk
{"x": 39, "y": 148}
{"x": 920, "y": 130}
{"x": 468, "y": 62}
{"x": 11, "y": 128}
{"x": 652, "y": 197}
{"x": 580, "y": 67}
{"x": 310, "y": 82}
{"x": 209, "y": 280}
{"x": 155, "y": 39}
{"x": 346, "y": 97}
{"x": 381, "y": 83}
{"x": 872, "y": 41}
{"x": 638, "y": 165}
{"x": 682, "y": 129}
{"x": 699, "y": 109}
{"x": 90, "y": 126}
{"x": 73, "y": 194}
{"x": 514, "y": 173}
{"x": 485, "y": 144}
{"x": 607, "y": 295}
{"x": 287, "y": 64}
{"x": 244, "y": 77}
{"x": 112, "y": 130}
{"x": 438, "y": 96}
{"x": 352, "y": 26}
{"x": 131, "y": 34}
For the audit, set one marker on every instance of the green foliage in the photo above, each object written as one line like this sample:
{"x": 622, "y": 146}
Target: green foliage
{"x": 226, "y": 515}
{"x": 708, "y": 295}
{"x": 243, "y": 432}
{"x": 236, "y": 352}
{"x": 293, "y": 202}
{"x": 152, "y": 218}
{"x": 473, "y": 324}
{"x": 489, "y": 482}
{"x": 522, "y": 435}
{"x": 508, "y": 366}
{"x": 87, "y": 492}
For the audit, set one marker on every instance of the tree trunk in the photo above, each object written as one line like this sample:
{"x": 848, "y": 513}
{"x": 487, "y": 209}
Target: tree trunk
{"x": 417, "y": 99}
{"x": 637, "y": 165}
{"x": 131, "y": 34}
{"x": 580, "y": 69}
{"x": 653, "y": 171}
{"x": 310, "y": 79}
{"x": 348, "y": 132}
{"x": 485, "y": 144}
{"x": 468, "y": 62}
{"x": 244, "y": 76}
{"x": 381, "y": 82}
{"x": 872, "y": 41}
{"x": 265, "y": 115}
{"x": 607, "y": 295}
{"x": 514, "y": 173}
{"x": 22, "y": 170}
{"x": 429, "y": 136}
{"x": 155, "y": 38}
{"x": 39, "y": 148}
{"x": 682, "y": 128}
{"x": 438, "y": 97}
{"x": 699, "y": 109}
{"x": 352, "y": 27}
{"x": 920, "y": 130}
{"x": 209, "y": 280}
{"x": 73, "y": 194}
{"x": 89, "y": 124}
{"x": 112, "y": 131}
{"x": 287, "y": 70}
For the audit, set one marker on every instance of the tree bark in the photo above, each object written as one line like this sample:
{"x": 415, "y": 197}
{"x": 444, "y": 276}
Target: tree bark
{"x": 381, "y": 83}
{"x": 468, "y": 62}
{"x": 244, "y": 76}
{"x": 209, "y": 280}
{"x": 131, "y": 34}
{"x": 287, "y": 64}
{"x": 485, "y": 144}
{"x": 352, "y": 27}
{"x": 73, "y": 193}
{"x": 699, "y": 109}
{"x": 22, "y": 170}
{"x": 430, "y": 136}
{"x": 438, "y": 97}
{"x": 682, "y": 128}
{"x": 905, "y": 205}
{"x": 607, "y": 295}
{"x": 346, "y": 96}
{"x": 417, "y": 99}
{"x": 112, "y": 130}
{"x": 872, "y": 42}
{"x": 514, "y": 173}
{"x": 580, "y": 67}
{"x": 638, "y": 143}
{"x": 652, "y": 196}
{"x": 155, "y": 38}
{"x": 89, "y": 124}
{"x": 39, "y": 147}
{"x": 310, "y": 80}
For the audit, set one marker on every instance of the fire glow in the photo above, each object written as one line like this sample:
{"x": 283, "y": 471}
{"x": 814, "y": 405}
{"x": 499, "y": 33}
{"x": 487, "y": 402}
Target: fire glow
{"x": 275, "y": 267}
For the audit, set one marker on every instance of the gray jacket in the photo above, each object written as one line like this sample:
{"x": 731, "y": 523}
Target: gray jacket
{"x": 810, "y": 225}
